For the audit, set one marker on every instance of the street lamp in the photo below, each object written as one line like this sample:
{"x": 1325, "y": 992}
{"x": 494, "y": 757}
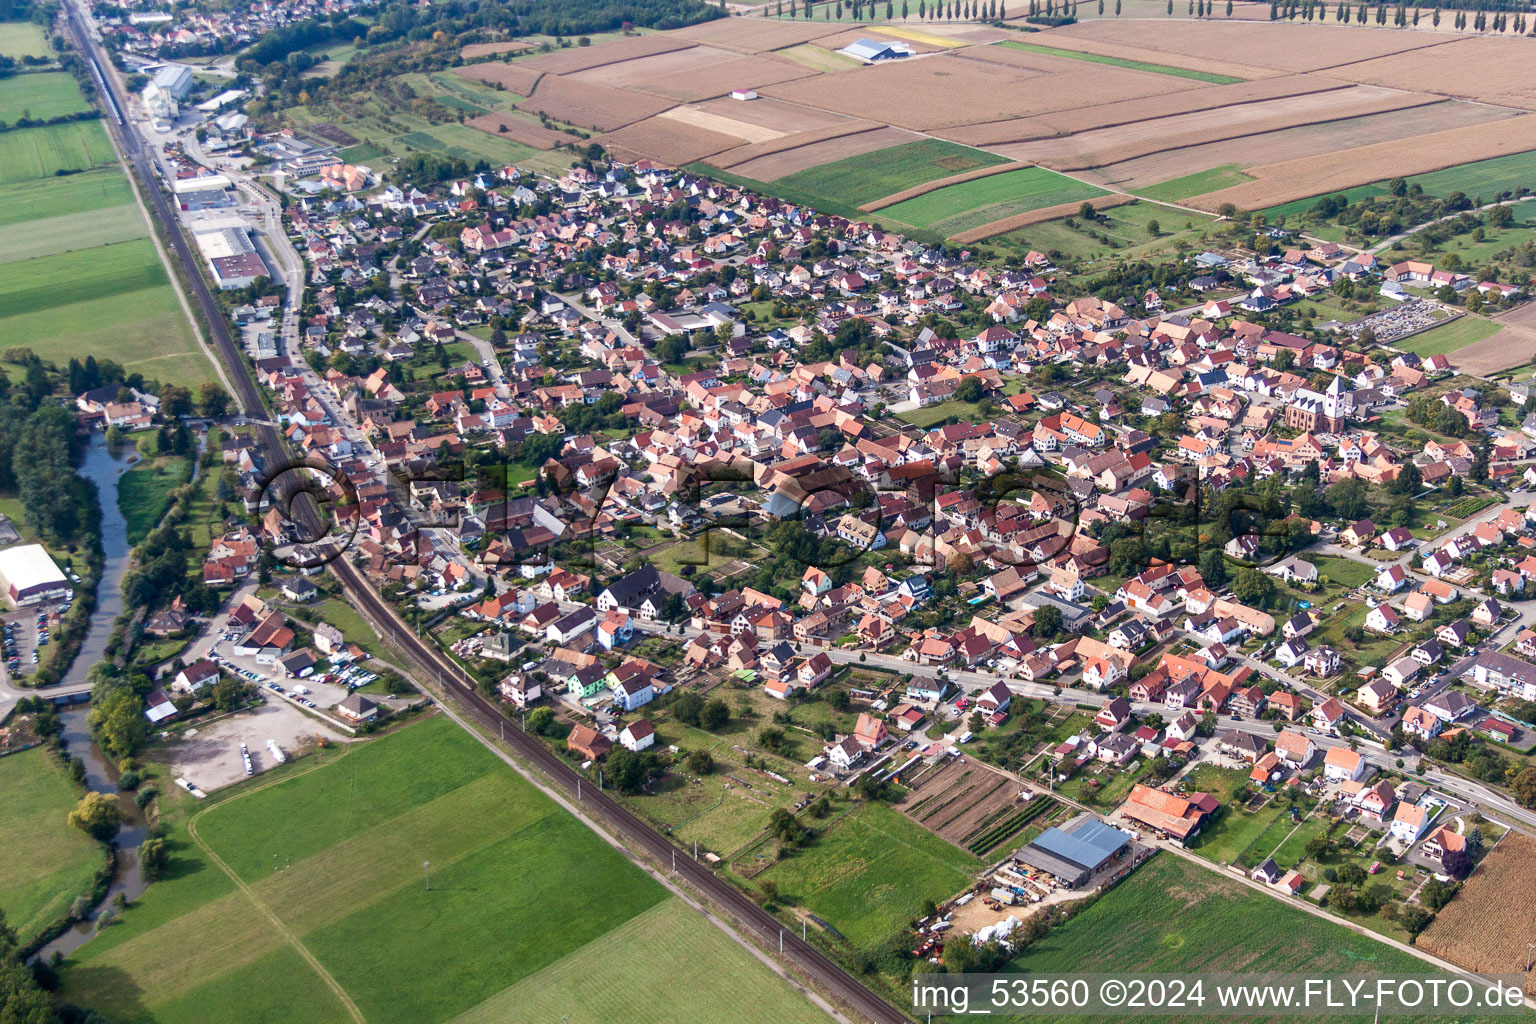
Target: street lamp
{"x": 426, "y": 866}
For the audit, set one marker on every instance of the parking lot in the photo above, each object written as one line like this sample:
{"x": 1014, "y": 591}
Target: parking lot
{"x": 25, "y": 633}
{"x": 209, "y": 756}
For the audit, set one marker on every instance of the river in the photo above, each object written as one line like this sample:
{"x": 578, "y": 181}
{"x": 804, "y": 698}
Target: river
{"x": 104, "y": 469}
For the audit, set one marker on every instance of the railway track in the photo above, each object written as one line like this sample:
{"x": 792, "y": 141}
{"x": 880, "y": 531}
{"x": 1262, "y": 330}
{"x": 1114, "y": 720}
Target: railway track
{"x": 768, "y": 930}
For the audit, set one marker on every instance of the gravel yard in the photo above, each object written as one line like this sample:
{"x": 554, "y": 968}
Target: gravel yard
{"x": 209, "y": 757}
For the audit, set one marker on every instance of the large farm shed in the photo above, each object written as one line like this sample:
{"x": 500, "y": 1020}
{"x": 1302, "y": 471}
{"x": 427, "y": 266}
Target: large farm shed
{"x": 1074, "y": 853}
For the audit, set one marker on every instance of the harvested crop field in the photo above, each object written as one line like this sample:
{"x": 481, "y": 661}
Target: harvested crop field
{"x": 475, "y": 50}
{"x": 742, "y": 131}
{"x": 586, "y": 105}
{"x": 1488, "y": 69}
{"x": 718, "y": 79}
{"x": 520, "y": 129}
{"x": 1311, "y": 175}
{"x": 1514, "y": 345}
{"x": 1487, "y": 925}
{"x": 668, "y": 140}
{"x": 784, "y": 160}
{"x": 935, "y": 91}
{"x": 752, "y": 35}
{"x": 518, "y": 78}
{"x": 1285, "y": 47}
{"x": 643, "y": 71}
{"x": 1200, "y": 67}
{"x": 983, "y": 201}
{"x": 1128, "y": 142}
{"x": 784, "y": 118}
{"x": 1311, "y": 141}
{"x": 1040, "y": 216}
{"x": 580, "y": 58}
{"x": 809, "y": 55}
{"x": 1130, "y": 112}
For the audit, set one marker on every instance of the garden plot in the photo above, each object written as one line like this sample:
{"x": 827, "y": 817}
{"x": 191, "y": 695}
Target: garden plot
{"x": 960, "y": 799}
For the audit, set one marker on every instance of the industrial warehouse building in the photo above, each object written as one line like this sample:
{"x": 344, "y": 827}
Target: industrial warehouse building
{"x": 232, "y": 256}
{"x": 1071, "y": 855}
{"x": 29, "y": 575}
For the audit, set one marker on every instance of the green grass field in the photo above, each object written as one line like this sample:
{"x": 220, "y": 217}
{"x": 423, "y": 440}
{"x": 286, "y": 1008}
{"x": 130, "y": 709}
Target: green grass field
{"x": 325, "y": 862}
{"x": 47, "y": 282}
{"x": 1122, "y": 62}
{"x": 144, "y": 492}
{"x": 48, "y": 236}
{"x": 112, "y": 299}
{"x": 23, "y": 39}
{"x": 1128, "y": 227}
{"x": 1343, "y": 571}
{"x": 44, "y": 861}
{"x": 42, "y": 152}
{"x": 1197, "y": 184}
{"x": 40, "y": 96}
{"x": 1174, "y": 916}
{"x": 1458, "y": 334}
{"x": 932, "y": 415}
{"x": 57, "y": 197}
{"x": 871, "y": 872}
{"x": 971, "y": 204}
{"x": 870, "y": 176}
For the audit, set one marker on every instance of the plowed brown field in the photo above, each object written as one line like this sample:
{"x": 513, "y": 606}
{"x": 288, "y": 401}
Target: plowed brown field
{"x": 586, "y": 105}
{"x": 1487, "y": 925}
{"x": 518, "y": 78}
{"x": 1318, "y": 140}
{"x": 1286, "y": 47}
{"x": 1129, "y": 112}
{"x": 1489, "y": 69}
{"x": 1515, "y": 345}
{"x": 753, "y": 35}
{"x": 719, "y": 79}
{"x": 947, "y": 89}
{"x": 775, "y": 114}
{"x": 1127, "y": 142}
{"x": 579, "y": 58}
{"x": 520, "y": 129}
{"x": 1309, "y": 176}
{"x": 667, "y": 140}
{"x": 474, "y": 50}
